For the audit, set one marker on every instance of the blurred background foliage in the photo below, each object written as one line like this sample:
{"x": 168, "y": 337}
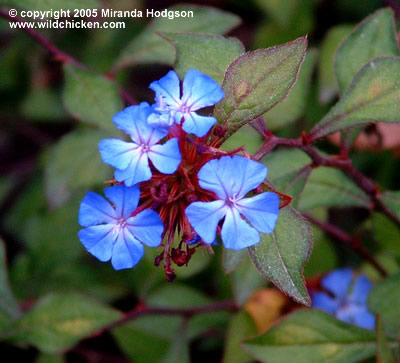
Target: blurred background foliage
{"x": 52, "y": 117}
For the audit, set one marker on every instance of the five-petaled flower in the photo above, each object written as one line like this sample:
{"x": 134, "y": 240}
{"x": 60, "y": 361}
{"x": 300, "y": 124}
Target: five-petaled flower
{"x": 231, "y": 178}
{"x": 131, "y": 158}
{"x": 347, "y": 298}
{"x": 198, "y": 91}
{"x": 114, "y": 231}
{"x": 187, "y": 185}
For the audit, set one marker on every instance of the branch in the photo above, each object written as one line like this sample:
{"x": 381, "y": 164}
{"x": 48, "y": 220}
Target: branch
{"x": 338, "y": 162}
{"x": 353, "y": 241}
{"x": 57, "y": 53}
{"x": 185, "y": 312}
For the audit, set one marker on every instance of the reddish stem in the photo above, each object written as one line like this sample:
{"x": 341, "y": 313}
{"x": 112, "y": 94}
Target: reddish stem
{"x": 185, "y": 312}
{"x": 342, "y": 162}
{"x": 353, "y": 241}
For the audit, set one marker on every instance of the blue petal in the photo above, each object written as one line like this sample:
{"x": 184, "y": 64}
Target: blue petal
{"x": 163, "y": 119}
{"x": 127, "y": 251}
{"x": 133, "y": 120}
{"x": 117, "y": 153}
{"x": 147, "y": 227}
{"x": 356, "y": 314}
{"x": 360, "y": 290}
{"x": 365, "y": 319}
{"x": 99, "y": 240}
{"x": 200, "y": 90}
{"x": 231, "y": 176}
{"x": 166, "y": 158}
{"x": 322, "y": 301}
{"x": 95, "y": 209}
{"x": 168, "y": 86}
{"x": 125, "y": 199}
{"x": 338, "y": 282}
{"x": 137, "y": 171}
{"x": 261, "y": 211}
{"x": 198, "y": 125}
{"x": 236, "y": 233}
{"x": 204, "y": 218}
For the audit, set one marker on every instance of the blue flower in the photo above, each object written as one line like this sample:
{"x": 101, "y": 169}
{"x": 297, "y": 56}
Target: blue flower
{"x": 199, "y": 90}
{"x": 111, "y": 232}
{"x": 131, "y": 158}
{"x": 348, "y": 300}
{"x": 231, "y": 178}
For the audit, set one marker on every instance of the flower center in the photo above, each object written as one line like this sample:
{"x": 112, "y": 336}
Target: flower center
{"x": 232, "y": 200}
{"x": 184, "y": 108}
{"x": 121, "y": 223}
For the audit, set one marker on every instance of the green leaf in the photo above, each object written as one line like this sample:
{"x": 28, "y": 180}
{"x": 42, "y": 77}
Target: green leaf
{"x": 280, "y": 12}
{"x": 148, "y": 47}
{"x": 327, "y": 83}
{"x": 292, "y": 108}
{"x": 160, "y": 338}
{"x": 257, "y": 81}
{"x": 247, "y": 137}
{"x": 281, "y": 255}
{"x": 374, "y": 37}
{"x": 241, "y": 327}
{"x": 58, "y": 321}
{"x": 177, "y": 296}
{"x": 284, "y": 162}
{"x": 328, "y": 187}
{"x": 386, "y": 233}
{"x": 53, "y": 4}
{"x": 392, "y": 200}
{"x": 43, "y": 105}
{"x": 383, "y": 353}
{"x": 209, "y": 54}
{"x": 50, "y": 358}
{"x": 245, "y": 280}
{"x": 372, "y": 96}
{"x": 9, "y": 309}
{"x": 232, "y": 259}
{"x": 313, "y": 336}
{"x": 289, "y": 171}
{"x": 384, "y": 299}
{"x": 74, "y": 163}
{"x": 90, "y": 97}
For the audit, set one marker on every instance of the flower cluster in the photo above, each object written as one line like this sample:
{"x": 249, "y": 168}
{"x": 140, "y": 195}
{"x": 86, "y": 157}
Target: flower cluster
{"x": 172, "y": 179}
{"x": 345, "y": 297}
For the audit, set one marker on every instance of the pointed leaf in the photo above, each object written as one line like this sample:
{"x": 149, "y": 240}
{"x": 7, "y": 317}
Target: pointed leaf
{"x": 90, "y": 97}
{"x": 58, "y": 321}
{"x": 209, "y": 54}
{"x": 281, "y": 255}
{"x": 148, "y": 47}
{"x": 257, "y": 81}
{"x": 372, "y": 96}
{"x": 392, "y": 201}
{"x": 292, "y": 108}
{"x": 373, "y": 37}
{"x": 384, "y": 299}
{"x": 313, "y": 336}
